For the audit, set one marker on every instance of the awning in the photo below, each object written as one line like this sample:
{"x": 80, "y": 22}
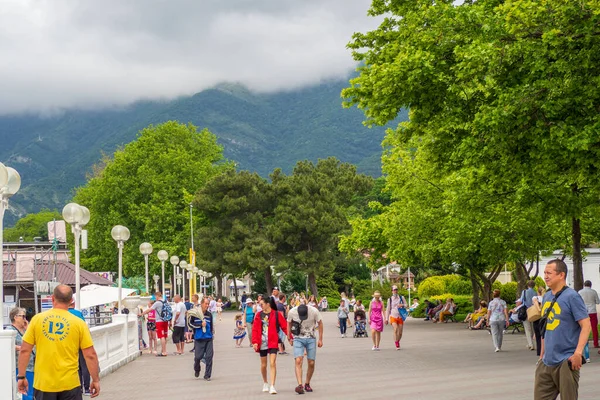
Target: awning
{"x": 95, "y": 295}
{"x": 240, "y": 284}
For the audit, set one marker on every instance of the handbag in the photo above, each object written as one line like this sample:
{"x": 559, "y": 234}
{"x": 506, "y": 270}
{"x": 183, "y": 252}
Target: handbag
{"x": 403, "y": 313}
{"x": 534, "y": 312}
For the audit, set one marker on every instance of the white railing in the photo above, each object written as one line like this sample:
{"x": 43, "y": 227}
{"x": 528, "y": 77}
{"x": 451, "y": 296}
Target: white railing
{"x": 116, "y": 343}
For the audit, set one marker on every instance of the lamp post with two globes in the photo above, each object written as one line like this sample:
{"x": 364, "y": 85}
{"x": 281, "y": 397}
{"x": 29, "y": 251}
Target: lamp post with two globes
{"x": 146, "y": 250}
{"x": 120, "y": 234}
{"x": 77, "y": 216}
{"x": 10, "y": 183}
{"x": 174, "y": 261}
{"x": 163, "y": 256}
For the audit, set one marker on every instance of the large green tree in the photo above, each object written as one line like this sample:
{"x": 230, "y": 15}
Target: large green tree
{"x": 311, "y": 213}
{"x": 147, "y": 186}
{"x": 32, "y": 226}
{"x": 232, "y": 239}
{"x": 506, "y": 91}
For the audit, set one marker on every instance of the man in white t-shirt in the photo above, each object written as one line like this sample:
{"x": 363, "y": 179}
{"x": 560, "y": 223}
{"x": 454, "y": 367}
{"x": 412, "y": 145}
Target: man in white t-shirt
{"x": 303, "y": 321}
{"x": 179, "y": 324}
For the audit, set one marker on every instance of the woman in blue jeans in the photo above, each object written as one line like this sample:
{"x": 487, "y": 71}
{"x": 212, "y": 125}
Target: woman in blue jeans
{"x": 342, "y": 314}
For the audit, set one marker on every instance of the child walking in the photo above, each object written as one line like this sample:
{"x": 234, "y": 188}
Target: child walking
{"x": 239, "y": 333}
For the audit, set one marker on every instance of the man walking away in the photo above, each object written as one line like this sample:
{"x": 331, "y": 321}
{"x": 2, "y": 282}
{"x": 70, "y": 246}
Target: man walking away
{"x": 203, "y": 340}
{"x": 527, "y": 301}
{"x": 162, "y": 326}
{"x": 590, "y": 298}
{"x": 302, "y": 322}
{"x": 58, "y": 335}
{"x": 565, "y": 330}
{"x": 179, "y": 325}
{"x": 282, "y": 308}
{"x": 84, "y": 374}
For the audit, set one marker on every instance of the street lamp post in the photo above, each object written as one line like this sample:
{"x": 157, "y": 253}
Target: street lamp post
{"x": 10, "y": 183}
{"x": 163, "y": 256}
{"x": 174, "y": 261}
{"x": 120, "y": 234}
{"x": 77, "y": 216}
{"x": 146, "y": 250}
{"x": 184, "y": 267}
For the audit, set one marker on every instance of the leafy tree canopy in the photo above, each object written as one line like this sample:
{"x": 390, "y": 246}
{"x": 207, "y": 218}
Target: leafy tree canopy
{"x": 147, "y": 187}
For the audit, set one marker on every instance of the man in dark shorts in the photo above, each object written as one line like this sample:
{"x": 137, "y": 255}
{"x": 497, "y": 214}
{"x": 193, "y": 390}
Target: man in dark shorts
{"x": 179, "y": 325}
{"x": 282, "y": 308}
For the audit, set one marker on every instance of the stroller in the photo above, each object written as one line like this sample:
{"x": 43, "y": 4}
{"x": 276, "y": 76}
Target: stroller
{"x": 360, "y": 324}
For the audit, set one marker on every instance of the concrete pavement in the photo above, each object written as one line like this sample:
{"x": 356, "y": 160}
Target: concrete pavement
{"x": 437, "y": 361}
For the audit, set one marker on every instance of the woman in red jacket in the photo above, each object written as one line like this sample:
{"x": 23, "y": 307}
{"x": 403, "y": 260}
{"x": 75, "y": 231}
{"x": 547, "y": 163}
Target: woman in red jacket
{"x": 265, "y": 339}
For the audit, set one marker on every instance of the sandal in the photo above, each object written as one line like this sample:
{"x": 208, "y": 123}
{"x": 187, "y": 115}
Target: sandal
{"x": 161, "y": 355}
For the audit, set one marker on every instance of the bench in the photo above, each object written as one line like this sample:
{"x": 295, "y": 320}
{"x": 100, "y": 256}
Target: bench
{"x": 452, "y": 317}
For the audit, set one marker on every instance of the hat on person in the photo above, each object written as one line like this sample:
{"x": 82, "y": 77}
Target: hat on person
{"x": 394, "y": 287}
{"x": 303, "y": 312}
{"x": 249, "y": 301}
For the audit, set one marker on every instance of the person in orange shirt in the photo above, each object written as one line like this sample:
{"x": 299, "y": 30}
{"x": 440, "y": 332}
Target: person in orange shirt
{"x": 58, "y": 335}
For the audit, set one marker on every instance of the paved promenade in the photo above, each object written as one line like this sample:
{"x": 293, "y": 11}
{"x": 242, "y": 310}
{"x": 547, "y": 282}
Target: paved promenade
{"x": 437, "y": 361}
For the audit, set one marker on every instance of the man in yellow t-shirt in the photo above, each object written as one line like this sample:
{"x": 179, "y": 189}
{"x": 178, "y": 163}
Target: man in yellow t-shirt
{"x": 58, "y": 335}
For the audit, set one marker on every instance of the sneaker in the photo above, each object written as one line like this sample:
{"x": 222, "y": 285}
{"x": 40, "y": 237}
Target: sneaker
{"x": 197, "y": 374}
{"x": 265, "y": 387}
{"x": 308, "y": 388}
{"x": 497, "y": 350}
{"x": 207, "y": 378}
{"x": 87, "y": 392}
{"x": 374, "y": 348}
{"x": 272, "y": 390}
{"x": 397, "y": 345}
{"x": 300, "y": 389}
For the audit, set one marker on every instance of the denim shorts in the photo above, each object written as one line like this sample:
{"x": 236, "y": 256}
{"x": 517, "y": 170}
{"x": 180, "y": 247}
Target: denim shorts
{"x": 308, "y": 344}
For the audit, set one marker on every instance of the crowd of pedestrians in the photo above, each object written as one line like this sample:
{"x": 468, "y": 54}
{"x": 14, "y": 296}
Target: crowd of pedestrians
{"x": 56, "y": 359}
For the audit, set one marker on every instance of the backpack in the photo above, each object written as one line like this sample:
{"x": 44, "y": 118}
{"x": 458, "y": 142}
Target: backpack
{"x": 522, "y": 313}
{"x": 166, "y": 314}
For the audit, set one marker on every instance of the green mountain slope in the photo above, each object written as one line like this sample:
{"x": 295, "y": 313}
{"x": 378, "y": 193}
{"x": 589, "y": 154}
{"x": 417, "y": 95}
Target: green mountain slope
{"x": 258, "y": 131}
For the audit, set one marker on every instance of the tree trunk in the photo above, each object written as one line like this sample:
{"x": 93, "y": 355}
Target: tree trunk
{"x": 312, "y": 284}
{"x": 476, "y": 289}
{"x": 522, "y": 276}
{"x": 269, "y": 281}
{"x": 489, "y": 280}
{"x": 219, "y": 285}
{"x": 577, "y": 258}
{"x": 235, "y": 289}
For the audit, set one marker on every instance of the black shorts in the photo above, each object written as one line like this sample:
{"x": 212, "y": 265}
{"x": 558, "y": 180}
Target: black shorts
{"x": 73, "y": 394}
{"x": 263, "y": 353}
{"x": 178, "y": 334}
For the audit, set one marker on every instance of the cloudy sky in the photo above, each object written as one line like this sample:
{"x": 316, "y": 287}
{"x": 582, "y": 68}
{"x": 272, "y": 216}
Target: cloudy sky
{"x": 58, "y": 54}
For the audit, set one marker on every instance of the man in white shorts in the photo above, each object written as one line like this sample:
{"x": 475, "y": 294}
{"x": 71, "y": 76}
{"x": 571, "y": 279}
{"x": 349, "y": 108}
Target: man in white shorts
{"x": 302, "y": 323}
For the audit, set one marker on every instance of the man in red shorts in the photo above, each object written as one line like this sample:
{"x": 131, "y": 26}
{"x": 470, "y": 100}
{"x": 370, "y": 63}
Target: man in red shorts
{"x": 393, "y": 316}
{"x": 162, "y": 327}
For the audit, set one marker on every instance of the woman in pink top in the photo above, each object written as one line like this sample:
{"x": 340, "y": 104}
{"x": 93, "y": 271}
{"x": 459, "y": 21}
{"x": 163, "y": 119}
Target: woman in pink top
{"x": 151, "y": 326}
{"x": 375, "y": 317}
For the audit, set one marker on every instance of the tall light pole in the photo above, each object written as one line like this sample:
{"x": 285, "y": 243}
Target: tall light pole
{"x": 120, "y": 234}
{"x": 163, "y": 256}
{"x": 174, "y": 261}
{"x": 193, "y": 254}
{"x": 77, "y": 216}
{"x": 146, "y": 250}
{"x": 184, "y": 267}
{"x": 10, "y": 183}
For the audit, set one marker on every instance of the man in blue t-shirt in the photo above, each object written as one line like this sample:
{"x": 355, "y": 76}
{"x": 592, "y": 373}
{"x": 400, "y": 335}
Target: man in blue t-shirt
{"x": 566, "y": 334}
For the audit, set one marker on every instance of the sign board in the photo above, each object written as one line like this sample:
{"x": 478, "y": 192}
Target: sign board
{"x": 46, "y": 303}
{"x": 45, "y": 287}
{"x": 57, "y": 229}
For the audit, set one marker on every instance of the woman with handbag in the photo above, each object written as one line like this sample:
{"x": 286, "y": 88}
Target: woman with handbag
{"x": 537, "y": 302}
{"x": 269, "y": 326}
{"x": 396, "y": 314}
